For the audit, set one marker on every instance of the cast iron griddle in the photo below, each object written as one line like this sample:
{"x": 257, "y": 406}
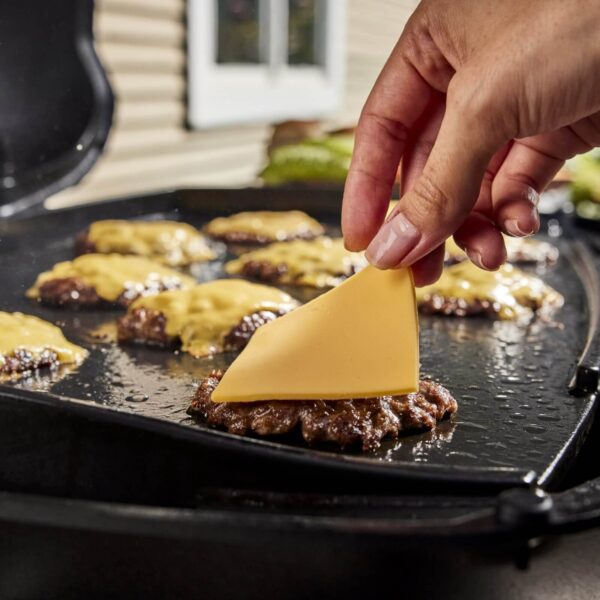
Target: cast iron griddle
{"x": 511, "y": 381}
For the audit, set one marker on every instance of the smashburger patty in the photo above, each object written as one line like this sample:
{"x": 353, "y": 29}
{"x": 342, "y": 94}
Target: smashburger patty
{"x": 264, "y": 226}
{"x": 343, "y": 422}
{"x": 24, "y": 361}
{"x": 269, "y": 272}
{"x": 245, "y": 237}
{"x": 147, "y": 326}
{"x": 72, "y": 292}
{"x": 83, "y": 243}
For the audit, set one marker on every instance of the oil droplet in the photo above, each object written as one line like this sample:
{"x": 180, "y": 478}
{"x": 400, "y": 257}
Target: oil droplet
{"x": 545, "y": 417}
{"x": 537, "y": 440}
{"x": 517, "y": 415}
{"x": 136, "y": 398}
{"x": 471, "y": 425}
{"x": 533, "y": 428}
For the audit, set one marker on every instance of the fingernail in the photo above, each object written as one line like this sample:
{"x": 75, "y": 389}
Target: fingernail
{"x": 393, "y": 242}
{"x": 512, "y": 227}
{"x": 475, "y": 258}
{"x": 533, "y": 197}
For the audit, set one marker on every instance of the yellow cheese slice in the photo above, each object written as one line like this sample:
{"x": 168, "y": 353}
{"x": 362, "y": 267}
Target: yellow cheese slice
{"x": 202, "y": 315}
{"x": 270, "y": 225}
{"x": 34, "y": 335}
{"x": 319, "y": 263}
{"x": 513, "y": 292}
{"x": 359, "y": 340}
{"x": 112, "y": 274}
{"x": 169, "y": 242}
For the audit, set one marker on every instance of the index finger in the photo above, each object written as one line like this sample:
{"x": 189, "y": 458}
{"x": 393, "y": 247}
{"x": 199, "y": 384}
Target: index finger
{"x": 398, "y": 98}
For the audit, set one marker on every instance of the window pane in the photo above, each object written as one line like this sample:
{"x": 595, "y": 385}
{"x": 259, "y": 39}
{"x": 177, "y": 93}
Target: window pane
{"x": 302, "y": 32}
{"x": 238, "y": 31}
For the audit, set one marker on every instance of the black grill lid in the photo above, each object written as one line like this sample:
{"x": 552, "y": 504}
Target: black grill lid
{"x": 55, "y": 101}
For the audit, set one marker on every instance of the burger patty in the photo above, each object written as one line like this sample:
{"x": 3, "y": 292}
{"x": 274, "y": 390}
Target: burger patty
{"x": 23, "y": 361}
{"x": 72, "y": 292}
{"x": 268, "y": 272}
{"x": 365, "y": 422}
{"x": 542, "y": 254}
{"x": 83, "y": 244}
{"x": 457, "y": 307}
{"x": 243, "y": 237}
{"x": 460, "y": 307}
{"x": 147, "y": 326}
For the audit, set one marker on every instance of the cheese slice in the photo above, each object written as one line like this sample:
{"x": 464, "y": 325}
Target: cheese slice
{"x": 359, "y": 340}
{"x": 33, "y": 335}
{"x": 267, "y": 224}
{"x": 168, "y": 242}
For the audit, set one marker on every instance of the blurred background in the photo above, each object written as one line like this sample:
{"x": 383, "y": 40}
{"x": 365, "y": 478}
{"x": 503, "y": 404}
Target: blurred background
{"x": 234, "y": 92}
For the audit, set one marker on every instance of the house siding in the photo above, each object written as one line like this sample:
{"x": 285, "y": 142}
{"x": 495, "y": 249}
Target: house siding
{"x": 142, "y": 46}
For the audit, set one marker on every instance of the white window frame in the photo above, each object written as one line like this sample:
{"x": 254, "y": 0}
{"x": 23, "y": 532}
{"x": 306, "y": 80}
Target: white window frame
{"x": 228, "y": 94}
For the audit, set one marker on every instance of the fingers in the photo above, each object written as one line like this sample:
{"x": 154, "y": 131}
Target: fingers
{"x": 478, "y": 235}
{"x": 443, "y": 195}
{"x": 429, "y": 268}
{"x": 397, "y": 100}
{"x": 482, "y": 241}
{"x": 421, "y": 143}
{"x": 527, "y": 169}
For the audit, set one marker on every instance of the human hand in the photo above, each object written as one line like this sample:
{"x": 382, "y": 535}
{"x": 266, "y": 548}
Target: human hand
{"x": 483, "y": 101}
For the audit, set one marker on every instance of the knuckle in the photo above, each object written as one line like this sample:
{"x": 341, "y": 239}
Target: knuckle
{"x": 468, "y": 99}
{"x": 380, "y": 127}
{"x": 475, "y": 101}
{"x": 429, "y": 202}
{"x": 586, "y": 132}
{"x": 422, "y": 52}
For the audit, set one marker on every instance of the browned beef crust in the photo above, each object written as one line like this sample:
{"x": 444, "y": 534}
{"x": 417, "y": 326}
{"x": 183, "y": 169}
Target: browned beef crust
{"x": 364, "y": 422}
{"x": 457, "y": 307}
{"x": 23, "y": 361}
{"x": 264, "y": 270}
{"x": 146, "y": 326}
{"x": 540, "y": 254}
{"x": 237, "y": 338}
{"x": 83, "y": 244}
{"x": 460, "y": 307}
{"x": 72, "y": 292}
{"x": 268, "y": 272}
{"x": 242, "y": 237}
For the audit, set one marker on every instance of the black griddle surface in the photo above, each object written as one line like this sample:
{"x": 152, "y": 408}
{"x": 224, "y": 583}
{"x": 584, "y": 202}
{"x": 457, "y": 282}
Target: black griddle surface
{"x": 511, "y": 381}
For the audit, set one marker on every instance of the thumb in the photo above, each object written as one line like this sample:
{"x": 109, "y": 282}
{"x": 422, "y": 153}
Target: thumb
{"x": 444, "y": 193}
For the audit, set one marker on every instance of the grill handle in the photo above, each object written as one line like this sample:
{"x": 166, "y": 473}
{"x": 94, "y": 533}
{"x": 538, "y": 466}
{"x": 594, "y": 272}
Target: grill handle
{"x": 586, "y": 378}
{"x": 533, "y": 512}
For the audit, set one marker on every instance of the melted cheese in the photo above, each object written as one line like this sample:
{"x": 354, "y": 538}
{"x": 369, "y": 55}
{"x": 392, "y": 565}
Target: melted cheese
{"x": 510, "y": 289}
{"x": 112, "y": 274}
{"x": 271, "y": 225}
{"x": 204, "y": 314}
{"x": 169, "y": 242}
{"x": 27, "y": 332}
{"x": 359, "y": 340}
{"x": 318, "y": 263}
